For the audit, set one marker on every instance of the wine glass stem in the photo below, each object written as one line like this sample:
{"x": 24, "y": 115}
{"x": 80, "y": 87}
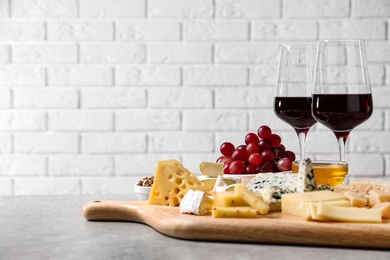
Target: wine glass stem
{"x": 302, "y": 140}
{"x": 341, "y": 140}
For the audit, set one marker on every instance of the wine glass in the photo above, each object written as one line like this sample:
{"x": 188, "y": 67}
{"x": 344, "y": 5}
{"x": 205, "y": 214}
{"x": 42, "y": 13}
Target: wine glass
{"x": 293, "y": 89}
{"x": 342, "y": 92}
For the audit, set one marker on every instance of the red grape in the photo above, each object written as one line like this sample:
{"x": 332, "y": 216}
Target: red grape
{"x": 264, "y": 132}
{"x": 252, "y": 148}
{"x": 250, "y": 169}
{"x": 284, "y": 164}
{"x": 264, "y": 145}
{"x": 278, "y": 151}
{"x": 255, "y": 159}
{"x": 240, "y": 155}
{"x": 265, "y": 167}
{"x": 290, "y": 155}
{"x": 241, "y": 147}
{"x": 226, "y": 168}
{"x": 224, "y": 159}
{"x": 236, "y": 167}
{"x": 275, "y": 139}
{"x": 227, "y": 149}
{"x": 268, "y": 156}
{"x": 251, "y": 138}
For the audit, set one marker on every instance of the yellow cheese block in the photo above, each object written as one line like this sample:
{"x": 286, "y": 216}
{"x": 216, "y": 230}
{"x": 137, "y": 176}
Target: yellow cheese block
{"x": 171, "y": 182}
{"x": 348, "y": 214}
{"x": 234, "y": 212}
{"x": 379, "y": 196}
{"x": 356, "y": 200}
{"x": 211, "y": 169}
{"x": 251, "y": 199}
{"x": 384, "y": 207}
{"x": 292, "y": 202}
{"x": 229, "y": 199}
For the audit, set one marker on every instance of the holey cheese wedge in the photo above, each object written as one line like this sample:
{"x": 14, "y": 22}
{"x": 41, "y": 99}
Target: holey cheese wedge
{"x": 171, "y": 183}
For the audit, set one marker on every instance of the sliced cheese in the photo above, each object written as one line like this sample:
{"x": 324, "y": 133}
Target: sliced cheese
{"x": 384, "y": 207}
{"x": 211, "y": 169}
{"x": 379, "y": 196}
{"x": 196, "y": 202}
{"x": 234, "y": 212}
{"x": 348, "y": 214}
{"x": 291, "y": 201}
{"x": 312, "y": 206}
{"x": 171, "y": 182}
{"x": 231, "y": 199}
{"x": 251, "y": 199}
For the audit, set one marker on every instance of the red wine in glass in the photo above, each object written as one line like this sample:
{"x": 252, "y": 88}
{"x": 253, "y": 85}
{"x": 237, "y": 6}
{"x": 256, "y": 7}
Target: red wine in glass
{"x": 342, "y": 112}
{"x": 295, "y": 111}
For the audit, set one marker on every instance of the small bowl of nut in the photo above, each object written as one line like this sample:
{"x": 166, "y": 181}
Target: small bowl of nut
{"x": 143, "y": 188}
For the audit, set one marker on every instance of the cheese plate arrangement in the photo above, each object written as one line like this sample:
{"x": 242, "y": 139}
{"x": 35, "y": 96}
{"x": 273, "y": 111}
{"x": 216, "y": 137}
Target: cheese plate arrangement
{"x": 275, "y": 205}
{"x": 285, "y": 208}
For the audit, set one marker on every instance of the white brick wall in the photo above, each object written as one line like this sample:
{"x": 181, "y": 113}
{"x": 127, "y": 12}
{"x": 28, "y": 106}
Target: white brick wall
{"x": 94, "y": 92}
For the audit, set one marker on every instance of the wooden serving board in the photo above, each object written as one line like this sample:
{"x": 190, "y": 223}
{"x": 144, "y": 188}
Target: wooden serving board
{"x": 274, "y": 228}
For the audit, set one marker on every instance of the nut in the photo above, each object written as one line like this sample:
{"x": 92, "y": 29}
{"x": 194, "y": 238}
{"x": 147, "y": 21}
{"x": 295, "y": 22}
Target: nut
{"x": 146, "y": 182}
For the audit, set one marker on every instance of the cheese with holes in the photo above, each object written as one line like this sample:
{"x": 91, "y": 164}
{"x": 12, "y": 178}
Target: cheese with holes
{"x": 196, "y": 202}
{"x": 291, "y": 202}
{"x": 234, "y": 212}
{"x": 348, "y": 214}
{"x": 211, "y": 169}
{"x": 378, "y": 196}
{"x": 251, "y": 199}
{"x": 171, "y": 182}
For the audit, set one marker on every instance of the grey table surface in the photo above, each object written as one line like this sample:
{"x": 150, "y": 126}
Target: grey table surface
{"x": 53, "y": 227}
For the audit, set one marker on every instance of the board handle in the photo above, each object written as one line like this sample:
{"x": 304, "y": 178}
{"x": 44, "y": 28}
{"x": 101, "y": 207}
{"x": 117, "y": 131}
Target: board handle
{"x": 111, "y": 210}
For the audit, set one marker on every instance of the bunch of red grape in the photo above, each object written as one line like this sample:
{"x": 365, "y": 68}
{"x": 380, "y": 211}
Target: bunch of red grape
{"x": 262, "y": 152}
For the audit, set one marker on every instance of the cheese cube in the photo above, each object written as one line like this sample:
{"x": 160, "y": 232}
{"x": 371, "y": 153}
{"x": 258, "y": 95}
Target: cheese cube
{"x": 234, "y": 212}
{"x": 251, "y": 199}
{"x": 171, "y": 183}
{"x": 229, "y": 199}
{"x": 356, "y": 199}
{"x": 379, "y": 196}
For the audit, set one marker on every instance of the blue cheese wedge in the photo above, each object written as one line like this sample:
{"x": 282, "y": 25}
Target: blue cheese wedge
{"x": 273, "y": 195}
{"x": 306, "y": 181}
{"x": 279, "y": 179}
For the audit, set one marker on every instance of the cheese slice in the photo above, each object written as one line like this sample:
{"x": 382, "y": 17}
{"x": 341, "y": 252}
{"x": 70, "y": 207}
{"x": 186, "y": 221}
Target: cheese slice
{"x": 312, "y": 207}
{"x": 251, "y": 199}
{"x": 196, "y": 202}
{"x": 211, "y": 169}
{"x": 348, "y": 214}
{"x": 171, "y": 182}
{"x": 291, "y": 201}
{"x": 384, "y": 207}
{"x": 229, "y": 199}
{"x": 234, "y": 212}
